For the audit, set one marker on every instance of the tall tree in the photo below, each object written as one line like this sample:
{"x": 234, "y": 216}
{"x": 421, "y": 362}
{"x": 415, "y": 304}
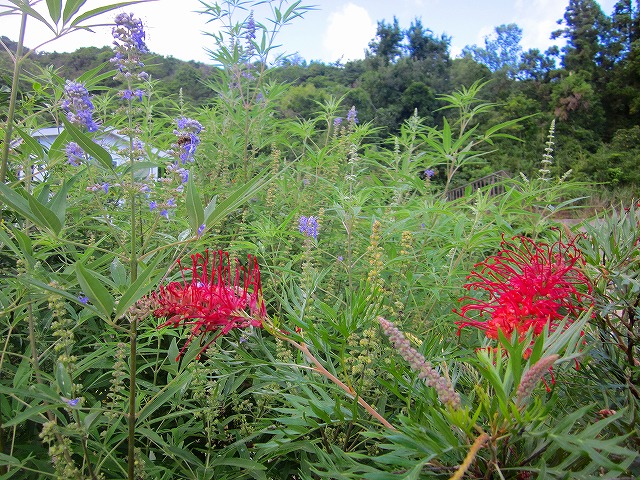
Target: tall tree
{"x": 423, "y": 45}
{"x": 625, "y": 23}
{"x": 586, "y": 29}
{"x": 387, "y": 46}
{"x": 501, "y": 51}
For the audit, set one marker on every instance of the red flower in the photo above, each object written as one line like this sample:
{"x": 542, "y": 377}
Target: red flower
{"x": 209, "y": 299}
{"x": 530, "y": 285}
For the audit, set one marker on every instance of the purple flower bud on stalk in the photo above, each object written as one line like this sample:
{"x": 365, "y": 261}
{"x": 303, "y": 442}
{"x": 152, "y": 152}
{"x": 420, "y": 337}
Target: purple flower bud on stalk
{"x": 443, "y": 387}
{"x": 308, "y": 226}
{"x": 74, "y": 153}
{"x": 352, "y": 115}
{"x": 153, "y": 205}
{"x": 201, "y": 229}
{"x": 83, "y": 299}
{"x": 165, "y": 213}
{"x": 78, "y": 106}
{"x": 188, "y": 140}
{"x": 337, "y": 121}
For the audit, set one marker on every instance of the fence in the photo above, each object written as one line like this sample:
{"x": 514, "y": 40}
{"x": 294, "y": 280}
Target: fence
{"x": 494, "y": 179}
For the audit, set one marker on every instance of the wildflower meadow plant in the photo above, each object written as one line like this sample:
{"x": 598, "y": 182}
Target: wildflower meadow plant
{"x": 78, "y": 106}
{"x": 211, "y": 298}
{"x": 531, "y": 286}
{"x": 130, "y": 350}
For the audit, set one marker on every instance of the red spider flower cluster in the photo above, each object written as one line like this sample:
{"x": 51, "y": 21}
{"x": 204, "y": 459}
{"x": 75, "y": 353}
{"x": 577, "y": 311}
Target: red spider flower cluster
{"x": 530, "y": 285}
{"x": 210, "y": 299}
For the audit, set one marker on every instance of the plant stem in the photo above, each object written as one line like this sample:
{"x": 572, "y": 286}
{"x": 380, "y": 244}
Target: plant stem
{"x": 12, "y": 99}
{"x": 133, "y": 332}
{"x": 323, "y": 371}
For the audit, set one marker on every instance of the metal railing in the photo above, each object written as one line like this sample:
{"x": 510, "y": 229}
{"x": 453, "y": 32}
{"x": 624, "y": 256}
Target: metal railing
{"x": 495, "y": 179}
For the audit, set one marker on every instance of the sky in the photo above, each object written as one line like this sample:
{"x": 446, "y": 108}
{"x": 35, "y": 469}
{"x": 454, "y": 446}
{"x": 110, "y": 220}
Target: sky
{"x": 335, "y": 30}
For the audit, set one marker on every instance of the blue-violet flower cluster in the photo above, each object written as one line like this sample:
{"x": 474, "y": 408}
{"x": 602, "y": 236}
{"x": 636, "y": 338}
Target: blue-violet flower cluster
{"x": 78, "y": 106}
{"x": 308, "y": 226}
{"x": 74, "y": 153}
{"x": 129, "y": 44}
{"x": 188, "y": 140}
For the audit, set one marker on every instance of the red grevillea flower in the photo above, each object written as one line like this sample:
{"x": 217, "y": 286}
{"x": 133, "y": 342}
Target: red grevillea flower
{"x": 530, "y": 285}
{"x": 210, "y": 299}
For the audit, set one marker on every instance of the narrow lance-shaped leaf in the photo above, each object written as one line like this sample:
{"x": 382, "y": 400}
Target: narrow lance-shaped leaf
{"x": 55, "y": 9}
{"x": 96, "y": 292}
{"x": 100, "y": 10}
{"x": 195, "y": 211}
{"x": 239, "y": 196}
{"x": 145, "y": 282}
{"x": 64, "y": 380}
{"x": 88, "y": 145}
{"x": 45, "y": 215}
{"x": 32, "y": 144}
{"x": 71, "y": 8}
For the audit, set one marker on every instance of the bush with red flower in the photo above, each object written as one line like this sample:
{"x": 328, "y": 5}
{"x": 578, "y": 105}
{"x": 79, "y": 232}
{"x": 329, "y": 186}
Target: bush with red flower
{"x": 210, "y": 298}
{"x": 530, "y": 285}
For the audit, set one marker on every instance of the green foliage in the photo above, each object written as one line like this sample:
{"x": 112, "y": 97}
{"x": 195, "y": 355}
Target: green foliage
{"x": 91, "y": 388}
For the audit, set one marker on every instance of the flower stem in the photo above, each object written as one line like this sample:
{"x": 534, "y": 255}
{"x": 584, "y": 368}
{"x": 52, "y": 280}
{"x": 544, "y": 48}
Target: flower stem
{"x": 473, "y": 451}
{"x": 12, "y": 99}
{"x": 323, "y": 371}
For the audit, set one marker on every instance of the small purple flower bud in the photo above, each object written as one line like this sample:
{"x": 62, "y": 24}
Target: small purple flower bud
{"x": 83, "y": 299}
{"x": 165, "y": 213}
{"x": 105, "y": 187}
{"x": 153, "y": 205}
{"x": 352, "y": 115}
{"x": 74, "y": 153}
{"x": 308, "y": 226}
{"x": 201, "y": 229}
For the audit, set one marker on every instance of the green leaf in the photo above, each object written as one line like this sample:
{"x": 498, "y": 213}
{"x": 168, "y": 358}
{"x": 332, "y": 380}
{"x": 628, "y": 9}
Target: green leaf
{"x": 63, "y": 380}
{"x": 165, "y": 395}
{"x": 88, "y": 145}
{"x": 9, "y": 461}
{"x": 118, "y": 273}
{"x": 30, "y": 413}
{"x": 26, "y": 8}
{"x": 55, "y": 9}
{"x": 33, "y": 145}
{"x": 45, "y": 215}
{"x": 98, "y": 11}
{"x": 243, "y": 463}
{"x": 71, "y": 8}
{"x": 139, "y": 288}
{"x": 195, "y": 211}
{"x": 237, "y": 198}
{"x": 18, "y": 202}
{"x": 96, "y": 292}
{"x": 58, "y": 203}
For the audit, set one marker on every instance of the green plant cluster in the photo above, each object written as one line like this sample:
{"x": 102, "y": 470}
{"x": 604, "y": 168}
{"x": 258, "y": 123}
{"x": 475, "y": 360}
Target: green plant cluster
{"x": 360, "y": 370}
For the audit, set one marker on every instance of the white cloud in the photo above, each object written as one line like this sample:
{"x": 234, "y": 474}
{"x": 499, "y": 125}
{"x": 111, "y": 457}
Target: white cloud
{"x": 538, "y": 18}
{"x": 348, "y": 33}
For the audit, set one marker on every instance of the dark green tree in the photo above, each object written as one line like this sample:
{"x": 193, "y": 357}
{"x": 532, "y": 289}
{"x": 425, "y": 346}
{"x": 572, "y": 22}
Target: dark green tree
{"x": 387, "y": 45}
{"x": 501, "y": 51}
{"x": 535, "y": 65}
{"x": 423, "y": 45}
{"x": 586, "y": 29}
